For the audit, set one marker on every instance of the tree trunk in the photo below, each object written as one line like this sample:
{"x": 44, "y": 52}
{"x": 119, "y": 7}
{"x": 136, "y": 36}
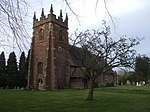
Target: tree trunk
{"x": 90, "y": 91}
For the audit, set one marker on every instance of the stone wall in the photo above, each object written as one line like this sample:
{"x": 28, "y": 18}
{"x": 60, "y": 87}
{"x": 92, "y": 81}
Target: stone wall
{"x": 45, "y": 49}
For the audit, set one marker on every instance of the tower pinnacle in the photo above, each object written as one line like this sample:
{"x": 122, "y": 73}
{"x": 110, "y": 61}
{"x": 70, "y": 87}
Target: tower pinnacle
{"x": 34, "y": 17}
{"x": 61, "y": 14}
{"x": 42, "y": 14}
{"x": 51, "y": 9}
{"x": 66, "y": 19}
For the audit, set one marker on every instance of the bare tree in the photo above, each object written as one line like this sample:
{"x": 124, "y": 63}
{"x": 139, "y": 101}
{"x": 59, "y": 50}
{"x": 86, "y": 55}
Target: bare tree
{"x": 100, "y": 53}
{"x": 12, "y": 23}
{"x": 67, "y": 2}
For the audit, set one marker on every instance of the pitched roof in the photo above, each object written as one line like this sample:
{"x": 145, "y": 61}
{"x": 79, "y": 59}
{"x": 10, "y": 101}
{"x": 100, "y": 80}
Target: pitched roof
{"x": 75, "y": 56}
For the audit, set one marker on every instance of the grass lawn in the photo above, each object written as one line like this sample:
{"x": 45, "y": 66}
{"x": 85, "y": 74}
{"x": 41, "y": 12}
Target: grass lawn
{"x": 111, "y": 99}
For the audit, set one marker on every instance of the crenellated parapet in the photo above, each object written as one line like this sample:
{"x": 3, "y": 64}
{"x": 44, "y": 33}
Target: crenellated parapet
{"x": 50, "y": 18}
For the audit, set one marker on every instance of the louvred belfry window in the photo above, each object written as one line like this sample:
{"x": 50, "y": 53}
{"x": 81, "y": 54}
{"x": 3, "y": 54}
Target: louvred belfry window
{"x": 41, "y": 34}
{"x": 60, "y": 35}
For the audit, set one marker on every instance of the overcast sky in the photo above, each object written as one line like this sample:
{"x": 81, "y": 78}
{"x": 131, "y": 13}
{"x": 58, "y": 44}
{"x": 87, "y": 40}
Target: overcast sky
{"x": 131, "y": 17}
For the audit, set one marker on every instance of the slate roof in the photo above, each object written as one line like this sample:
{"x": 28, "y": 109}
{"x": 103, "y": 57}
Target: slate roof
{"x": 79, "y": 55}
{"x": 76, "y": 54}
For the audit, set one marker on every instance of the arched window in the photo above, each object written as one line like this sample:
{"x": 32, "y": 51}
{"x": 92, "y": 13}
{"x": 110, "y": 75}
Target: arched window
{"x": 40, "y": 72}
{"x": 41, "y": 34}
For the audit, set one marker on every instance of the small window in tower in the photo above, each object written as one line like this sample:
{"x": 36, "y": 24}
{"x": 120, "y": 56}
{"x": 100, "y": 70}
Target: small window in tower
{"x": 41, "y": 34}
{"x": 60, "y": 35}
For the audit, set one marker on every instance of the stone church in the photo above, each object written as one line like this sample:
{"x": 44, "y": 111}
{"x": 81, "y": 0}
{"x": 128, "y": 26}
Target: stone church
{"x": 51, "y": 66}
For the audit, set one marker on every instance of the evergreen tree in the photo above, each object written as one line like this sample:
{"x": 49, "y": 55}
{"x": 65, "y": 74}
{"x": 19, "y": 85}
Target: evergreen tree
{"x": 2, "y": 70}
{"x": 27, "y": 66}
{"x": 142, "y": 68}
{"x": 22, "y": 71}
{"x": 12, "y": 71}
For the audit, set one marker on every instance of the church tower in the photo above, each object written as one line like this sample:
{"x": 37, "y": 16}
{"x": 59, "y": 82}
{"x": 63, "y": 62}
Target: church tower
{"x": 48, "y": 65}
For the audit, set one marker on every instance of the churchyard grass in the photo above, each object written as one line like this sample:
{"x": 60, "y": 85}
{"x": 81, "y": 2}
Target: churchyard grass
{"x": 110, "y": 99}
